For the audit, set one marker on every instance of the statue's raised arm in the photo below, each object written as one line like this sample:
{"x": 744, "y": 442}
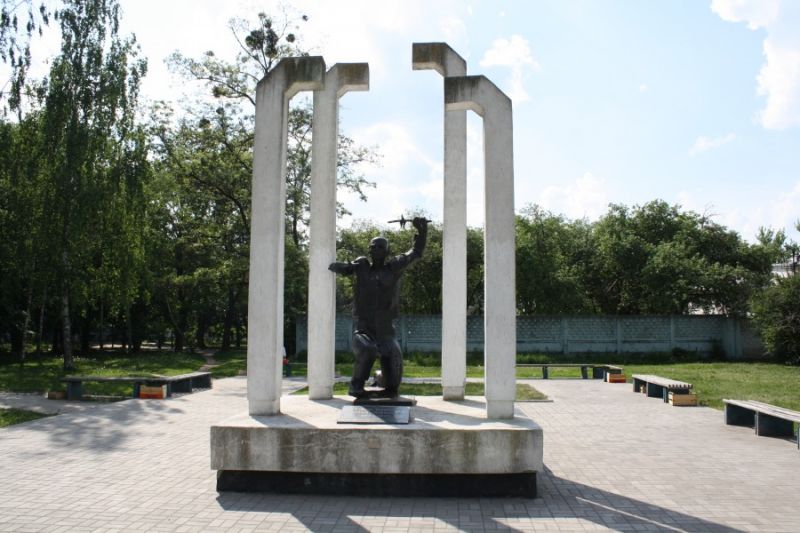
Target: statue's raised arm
{"x": 420, "y": 240}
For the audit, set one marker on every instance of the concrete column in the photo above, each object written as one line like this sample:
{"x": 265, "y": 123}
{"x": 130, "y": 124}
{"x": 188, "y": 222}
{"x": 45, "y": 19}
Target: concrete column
{"x": 444, "y": 60}
{"x": 500, "y": 344}
{"x": 265, "y": 296}
{"x": 341, "y": 78}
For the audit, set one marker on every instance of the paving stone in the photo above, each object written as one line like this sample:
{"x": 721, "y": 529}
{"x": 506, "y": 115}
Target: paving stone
{"x": 613, "y": 460}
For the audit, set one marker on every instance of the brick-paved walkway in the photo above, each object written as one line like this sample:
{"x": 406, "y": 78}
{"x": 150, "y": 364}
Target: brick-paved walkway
{"x": 614, "y": 459}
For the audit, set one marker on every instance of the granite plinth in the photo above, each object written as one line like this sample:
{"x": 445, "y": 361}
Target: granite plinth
{"x": 449, "y": 448}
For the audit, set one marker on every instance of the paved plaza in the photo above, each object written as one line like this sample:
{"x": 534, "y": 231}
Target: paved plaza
{"x": 614, "y": 460}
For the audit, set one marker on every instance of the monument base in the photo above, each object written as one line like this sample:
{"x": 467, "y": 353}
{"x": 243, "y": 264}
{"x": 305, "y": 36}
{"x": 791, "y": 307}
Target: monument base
{"x": 449, "y": 449}
{"x": 386, "y": 485}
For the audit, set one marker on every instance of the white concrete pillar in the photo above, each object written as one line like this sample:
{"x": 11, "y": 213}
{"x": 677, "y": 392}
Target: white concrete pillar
{"x": 265, "y": 296}
{"x": 444, "y": 60}
{"x": 500, "y": 336}
{"x": 341, "y": 78}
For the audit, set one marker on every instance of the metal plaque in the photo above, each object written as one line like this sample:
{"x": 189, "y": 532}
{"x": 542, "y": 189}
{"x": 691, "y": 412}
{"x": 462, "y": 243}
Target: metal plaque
{"x": 375, "y": 414}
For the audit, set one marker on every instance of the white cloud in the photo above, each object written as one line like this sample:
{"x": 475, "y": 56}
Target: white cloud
{"x": 407, "y": 178}
{"x": 514, "y": 53}
{"x": 585, "y": 197}
{"x": 704, "y": 144}
{"x": 454, "y": 30}
{"x": 643, "y": 88}
{"x": 779, "y": 78}
{"x": 775, "y": 210}
{"x": 784, "y": 213}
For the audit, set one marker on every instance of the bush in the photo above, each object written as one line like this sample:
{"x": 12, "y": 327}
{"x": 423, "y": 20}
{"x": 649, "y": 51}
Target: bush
{"x": 345, "y": 358}
{"x": 426, "y": 358}
{"x": 776, "y": 316}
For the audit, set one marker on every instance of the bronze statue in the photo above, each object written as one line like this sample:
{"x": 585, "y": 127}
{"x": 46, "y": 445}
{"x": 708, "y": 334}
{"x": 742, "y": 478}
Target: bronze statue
{"x": 375, "y": 306}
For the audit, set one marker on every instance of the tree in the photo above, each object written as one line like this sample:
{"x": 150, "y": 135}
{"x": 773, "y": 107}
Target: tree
{"x": 210, "y": 153}
{"x": 23, "y": 255}
{"x": 15, "y": 45}
{"x": 776, "y": 315}
{"x": 233, "y": 84}
{"x": 658, "y": 259}
{"x": 97, "y": 155}
{"x": 549, "y": 253}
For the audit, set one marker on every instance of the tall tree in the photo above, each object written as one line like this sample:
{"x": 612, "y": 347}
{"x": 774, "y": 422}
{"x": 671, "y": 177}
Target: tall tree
{"x": 550, "y": 251}
{"x": 96, "y": 154}
{"x": 20, "y": 20}
{"x": 219, "y": 135}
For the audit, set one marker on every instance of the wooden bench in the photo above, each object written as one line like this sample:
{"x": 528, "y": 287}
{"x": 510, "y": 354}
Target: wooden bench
{"x": 180, "y": 383}
{"x": 659, "y": 387}
{"x": 186, "y": 382}
{"x": 598, "y": 371}
{"x": 768, "y": 420}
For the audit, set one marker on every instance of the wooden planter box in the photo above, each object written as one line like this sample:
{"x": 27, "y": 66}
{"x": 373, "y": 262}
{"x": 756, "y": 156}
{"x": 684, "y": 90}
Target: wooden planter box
{"x": 683, "y": 399}
{"x": 157, "y": 392}
{"x": 616, "y": 378}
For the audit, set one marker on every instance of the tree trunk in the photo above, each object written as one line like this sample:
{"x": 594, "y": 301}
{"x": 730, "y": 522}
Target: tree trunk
{"x": 129, "y": 328}
{"x": 18, "y": 341}
{"x": 238, "y": 332}
{"x": 228, "y": 324}
{"x": 177, "y": 345}
{"x": 85, "y": 333}
{"x": 200, "y": 333}
{"x": 41, "y": 322}
{"x": 66, "y": 331}
{"x": 100, "y": 329}
{"x": 25, "y": 324}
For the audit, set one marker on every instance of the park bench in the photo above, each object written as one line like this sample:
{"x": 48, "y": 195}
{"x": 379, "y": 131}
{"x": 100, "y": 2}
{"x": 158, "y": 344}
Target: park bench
{"x": 768, "y": 420}
{"x": 598, "y": 371}
{"x": 665, "y": 388}
{"x": 180, "y": 383}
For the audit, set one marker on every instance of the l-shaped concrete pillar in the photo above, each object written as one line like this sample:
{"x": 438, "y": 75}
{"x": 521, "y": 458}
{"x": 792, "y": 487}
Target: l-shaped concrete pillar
{"x": 444, "y": 60}
{"x": 500, "y": 338}
{"x": 341, "y": 78}
{"x": 265, "y": 297}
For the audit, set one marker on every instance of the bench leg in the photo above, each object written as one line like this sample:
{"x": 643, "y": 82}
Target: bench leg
{"x": 637, "y": 385}
{"x": 584, "y": 372}
{"x": 654, "y": 391}
{"x": 739, "y": 416}
{"x": 184, "y": 385}
{"x": 770, "y": 426}
{"x": 137, "y": 389}
{"x": 74, "y": 390}
{"x": 545, "y": 372}
{"x": 598, "y": 372}
{"x": 203, "y": 382}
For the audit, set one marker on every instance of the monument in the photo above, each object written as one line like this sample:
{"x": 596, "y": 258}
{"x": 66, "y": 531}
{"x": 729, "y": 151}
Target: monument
{"x": 474, "y": 447}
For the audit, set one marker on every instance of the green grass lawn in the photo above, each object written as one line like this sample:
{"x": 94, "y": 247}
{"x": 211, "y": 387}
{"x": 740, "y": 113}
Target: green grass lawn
{"x": 524, "y": 391}
{"x": 771, "y": 383}
{"x": 45, "y": 373}
{"x": 9, "y": 417}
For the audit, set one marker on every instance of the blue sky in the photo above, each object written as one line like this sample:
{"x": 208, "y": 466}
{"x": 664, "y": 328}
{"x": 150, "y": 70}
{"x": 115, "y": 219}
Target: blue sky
{"x": 693, "y": 102}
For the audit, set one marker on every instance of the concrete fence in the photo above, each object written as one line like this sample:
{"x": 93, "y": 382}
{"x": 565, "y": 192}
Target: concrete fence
{"x": 576, "y": 334}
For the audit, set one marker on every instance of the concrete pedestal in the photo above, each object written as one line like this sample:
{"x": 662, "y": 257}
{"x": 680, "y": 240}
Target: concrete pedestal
{"x": 450, "y": 449}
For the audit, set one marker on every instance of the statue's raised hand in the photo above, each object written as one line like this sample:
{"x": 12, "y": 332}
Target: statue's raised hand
{"x": 420, "y": 223}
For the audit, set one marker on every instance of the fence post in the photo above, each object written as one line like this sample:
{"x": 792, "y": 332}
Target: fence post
{"x": 619, "y": 333}
{"x": 564, "y": 335}
{"x": 671, "y": 332}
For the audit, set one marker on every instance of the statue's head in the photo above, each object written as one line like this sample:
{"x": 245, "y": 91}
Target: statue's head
{"x": 378, "y": 249}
